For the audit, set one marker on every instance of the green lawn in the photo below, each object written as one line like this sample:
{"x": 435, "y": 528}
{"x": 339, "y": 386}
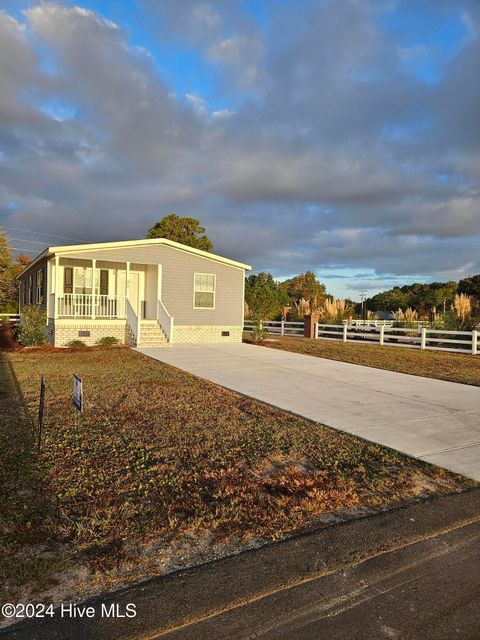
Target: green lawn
{"x": 163, "y": 470}
{"x": 443, "y": 365}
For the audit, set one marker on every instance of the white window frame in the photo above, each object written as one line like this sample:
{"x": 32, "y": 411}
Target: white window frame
{"x": 85, "y": 271}
{"x": 39, "y": 287}
{"x": 199, "y": 273}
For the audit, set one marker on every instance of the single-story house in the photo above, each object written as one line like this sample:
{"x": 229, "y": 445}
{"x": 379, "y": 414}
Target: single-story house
{"x": 142, "y": 292}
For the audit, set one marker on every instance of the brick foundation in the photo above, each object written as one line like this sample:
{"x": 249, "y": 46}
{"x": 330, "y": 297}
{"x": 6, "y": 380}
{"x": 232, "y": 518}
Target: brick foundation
{"x": 60, "y": 333}
{"x": 193, "y": 334}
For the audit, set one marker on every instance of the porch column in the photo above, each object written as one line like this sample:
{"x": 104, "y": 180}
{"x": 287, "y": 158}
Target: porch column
{"x": 94, "y": 294}
{"x": 56, "y": 280}
{"x": 159, "y": 281}
{"x": 127, "y": 283}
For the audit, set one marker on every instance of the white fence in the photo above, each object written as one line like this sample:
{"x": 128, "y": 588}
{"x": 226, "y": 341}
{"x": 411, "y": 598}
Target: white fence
{"x": 383, "y": 323}
{"x": 11, "y": 318}
{"x": 422, "y": 338}
{"x": 416, "y": 338}
{"x": 279, "y": 327}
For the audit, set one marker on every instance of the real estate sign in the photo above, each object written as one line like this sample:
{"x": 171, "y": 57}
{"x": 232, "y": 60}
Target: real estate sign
{"x": 77, "y": 397}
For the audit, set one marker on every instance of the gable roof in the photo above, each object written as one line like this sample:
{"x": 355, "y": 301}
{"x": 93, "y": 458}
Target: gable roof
{"x": 72, "y": 249}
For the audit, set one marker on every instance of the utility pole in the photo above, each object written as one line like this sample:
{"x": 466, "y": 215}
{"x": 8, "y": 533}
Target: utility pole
{"x": 363, "y": 295}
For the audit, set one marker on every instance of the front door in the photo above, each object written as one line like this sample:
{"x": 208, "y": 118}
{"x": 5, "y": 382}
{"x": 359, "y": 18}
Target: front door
{"x": 133, "y": 291}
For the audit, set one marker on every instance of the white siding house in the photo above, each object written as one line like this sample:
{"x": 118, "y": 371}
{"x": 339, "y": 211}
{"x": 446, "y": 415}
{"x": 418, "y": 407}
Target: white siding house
{"x": 143, "y": 292}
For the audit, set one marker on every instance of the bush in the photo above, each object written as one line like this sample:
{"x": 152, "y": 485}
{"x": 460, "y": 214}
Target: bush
{"x": 259, "y": 333}
{"x": 76, "y": 343}
{"x": 7, "y": 337}
{"x": 108, "y": 341}
{"x": 34, "y": 322}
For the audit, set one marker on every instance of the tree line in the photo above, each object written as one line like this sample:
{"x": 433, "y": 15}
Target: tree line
{"x": 424, "y": 297}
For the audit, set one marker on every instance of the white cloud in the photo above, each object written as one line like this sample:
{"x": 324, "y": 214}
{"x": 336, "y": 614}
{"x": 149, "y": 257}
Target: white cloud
{"x": 304, "y": 174}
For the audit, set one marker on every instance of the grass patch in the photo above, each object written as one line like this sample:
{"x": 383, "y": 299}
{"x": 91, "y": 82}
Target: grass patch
{"x": 441, "y": 365}
{"x": 161, "y": 459}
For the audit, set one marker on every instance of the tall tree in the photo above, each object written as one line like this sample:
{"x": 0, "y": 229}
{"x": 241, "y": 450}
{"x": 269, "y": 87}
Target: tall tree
{"x": 184, "y": 230}
{"x": 7, "y": 272}
{"x": 263, "y": 296}
{"x": 470, "y": 286}
{"x": 305, "y": 287}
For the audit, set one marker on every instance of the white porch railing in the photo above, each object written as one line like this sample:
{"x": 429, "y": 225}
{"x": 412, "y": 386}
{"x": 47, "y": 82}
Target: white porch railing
{"x": 86, "y": 305}
{"x": 165, "y": 320}
{"x": 133, "y": 321}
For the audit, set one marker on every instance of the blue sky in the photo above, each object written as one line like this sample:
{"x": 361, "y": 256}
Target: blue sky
{"x": 340, "y": 137}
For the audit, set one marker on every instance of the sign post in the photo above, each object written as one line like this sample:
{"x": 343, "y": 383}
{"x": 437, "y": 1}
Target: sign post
{"x": 41, "y": 410}
{"x": 77, "y": 396}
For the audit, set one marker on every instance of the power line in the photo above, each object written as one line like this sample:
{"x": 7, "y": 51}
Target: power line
{"x": 42, "y": 242}
{"x": 25, "y": 250}
{"x": 39, "y": 233}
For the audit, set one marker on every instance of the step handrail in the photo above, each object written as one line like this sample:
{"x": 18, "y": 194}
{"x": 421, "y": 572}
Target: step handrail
{"x": 133, "y": 321}
{"x": 165, "y": 320}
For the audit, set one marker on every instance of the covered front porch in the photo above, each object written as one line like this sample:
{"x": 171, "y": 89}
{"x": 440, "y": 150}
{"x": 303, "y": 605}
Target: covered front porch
{"x": 94, "y": 289}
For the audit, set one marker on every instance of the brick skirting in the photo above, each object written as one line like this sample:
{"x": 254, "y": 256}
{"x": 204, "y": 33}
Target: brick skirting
{"x": 192, "y": 334}
{"x": 60, "y": 334}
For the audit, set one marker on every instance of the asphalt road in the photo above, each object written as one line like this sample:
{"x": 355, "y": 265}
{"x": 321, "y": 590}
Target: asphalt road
{"x": 410, "y": 573}
{"x": 426, "y": 590}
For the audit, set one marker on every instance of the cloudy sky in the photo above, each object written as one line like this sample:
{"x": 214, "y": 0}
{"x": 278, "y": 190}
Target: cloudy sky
{"x": 341, "y": 136}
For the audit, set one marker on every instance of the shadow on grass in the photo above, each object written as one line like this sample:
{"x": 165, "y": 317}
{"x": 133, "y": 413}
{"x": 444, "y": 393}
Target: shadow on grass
{"x": 24, "y": 503}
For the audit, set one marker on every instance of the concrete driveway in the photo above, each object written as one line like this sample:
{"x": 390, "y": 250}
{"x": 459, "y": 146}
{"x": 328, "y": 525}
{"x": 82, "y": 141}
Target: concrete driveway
{"x": 433, "y": 420}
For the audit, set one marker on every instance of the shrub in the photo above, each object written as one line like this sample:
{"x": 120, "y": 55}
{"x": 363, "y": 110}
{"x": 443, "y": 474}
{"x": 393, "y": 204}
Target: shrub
{"x": 108, "y": 341}
{"x": 7, "y": 338}
{"x": 34, "y": 322}
{"x": 407, "y": 318}
{"x": 76, "y": 343}
{"x": 259, "y": 333}
{"x": 332, "y": 311}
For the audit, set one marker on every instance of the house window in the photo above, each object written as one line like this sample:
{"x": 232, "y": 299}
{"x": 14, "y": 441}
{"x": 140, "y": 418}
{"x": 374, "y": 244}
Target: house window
{"x": 103, "y": 282}
{"x": 68, "y": 280}
{"x": 39, "y": 297}
{"x": 204, "y": 291}
{"x": 30, "y": 289}
{"x": 77, "y": 280}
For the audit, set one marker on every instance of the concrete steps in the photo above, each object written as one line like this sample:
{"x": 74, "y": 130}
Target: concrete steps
{"x": 151, "y": 334}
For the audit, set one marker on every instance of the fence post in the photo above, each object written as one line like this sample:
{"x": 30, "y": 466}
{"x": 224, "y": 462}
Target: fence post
{"x": 474, "y": 342}
{"x": 423, "y": 339}
{"x": 315, "y": 335}
{"x": 382, "y": 334}
{"x": 282, "y": 328}
{"x": 345, "y": 329}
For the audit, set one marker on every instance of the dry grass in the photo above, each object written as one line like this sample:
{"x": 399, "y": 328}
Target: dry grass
{"x": 455, "y": 367}
{"x": 162, "y": 455}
